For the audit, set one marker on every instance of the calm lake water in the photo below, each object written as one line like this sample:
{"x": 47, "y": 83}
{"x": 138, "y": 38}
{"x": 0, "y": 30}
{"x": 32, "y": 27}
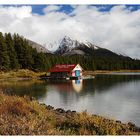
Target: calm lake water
{"x": 115, "y": 96}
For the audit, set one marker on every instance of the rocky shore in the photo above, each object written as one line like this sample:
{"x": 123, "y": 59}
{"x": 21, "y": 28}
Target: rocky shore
{"x": 71, "y": 113}
{"x": 26, "y": 116}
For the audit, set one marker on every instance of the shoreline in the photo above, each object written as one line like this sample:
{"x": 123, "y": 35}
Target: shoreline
{"x": 26, "y": 116}
{"x": 73, "y": 112}
{"x": 109, "y": 72}
{"x": 25, "y": 74}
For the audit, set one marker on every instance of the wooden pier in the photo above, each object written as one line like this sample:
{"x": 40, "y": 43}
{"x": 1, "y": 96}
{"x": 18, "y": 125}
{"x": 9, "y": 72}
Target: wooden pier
{"x": 60, "y": 78}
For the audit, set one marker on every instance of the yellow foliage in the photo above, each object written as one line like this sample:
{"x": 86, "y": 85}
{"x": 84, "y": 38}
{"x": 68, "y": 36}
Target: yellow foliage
{"x": 22, "y": 116}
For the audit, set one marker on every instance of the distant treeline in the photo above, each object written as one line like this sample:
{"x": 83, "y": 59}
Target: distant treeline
{"x": 16, "y": 53}
{"x": 97, "y": 62}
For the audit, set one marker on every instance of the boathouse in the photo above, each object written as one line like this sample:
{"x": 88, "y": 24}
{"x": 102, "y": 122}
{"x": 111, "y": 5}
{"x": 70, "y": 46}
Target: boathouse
{"x": 66, "y": 71}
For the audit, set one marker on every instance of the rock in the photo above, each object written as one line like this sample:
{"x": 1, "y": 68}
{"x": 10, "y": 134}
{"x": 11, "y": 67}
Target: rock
{"x": 131, "y": 124}
{"x": 118, "y": 121}
{"x": 68, "y": 111}
{"x": 60, "y": 110}
{"x": 43, "y": 104}
{"x": 49, "y": 107}
{"x": 74, "y": 112}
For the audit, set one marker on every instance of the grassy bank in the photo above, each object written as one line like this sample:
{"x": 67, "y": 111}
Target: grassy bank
{"x": 25, "y": 116}
{"x": 109, "y": 72}
{"x": 20, "y": 74}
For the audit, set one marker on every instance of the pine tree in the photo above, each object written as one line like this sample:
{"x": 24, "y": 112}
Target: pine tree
{"x": 4, "y": 58}
{"x": 40, "y": 62}
{"x": 18, "y": 49}
{"x": 11, "y": 51}
{"x": 28, "y": 55}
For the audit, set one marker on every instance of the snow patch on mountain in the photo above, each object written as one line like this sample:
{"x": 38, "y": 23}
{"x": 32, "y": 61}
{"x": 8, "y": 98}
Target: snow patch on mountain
{"x": 90, "y": 45}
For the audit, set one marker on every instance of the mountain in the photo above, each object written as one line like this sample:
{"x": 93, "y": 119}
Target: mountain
{"x": 69, "y": 47}
{"x": 38, "y": 47}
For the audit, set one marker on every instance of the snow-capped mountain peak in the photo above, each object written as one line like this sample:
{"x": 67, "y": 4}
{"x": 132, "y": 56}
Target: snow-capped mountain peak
{"x": 67, "y": 44}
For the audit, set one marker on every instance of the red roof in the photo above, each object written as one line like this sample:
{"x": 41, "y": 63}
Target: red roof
{"x": 63, "y": 68}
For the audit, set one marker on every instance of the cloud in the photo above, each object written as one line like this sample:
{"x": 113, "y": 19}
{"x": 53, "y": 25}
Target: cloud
{"x": 117, "y": 29}
{"x": 51, "y": 8}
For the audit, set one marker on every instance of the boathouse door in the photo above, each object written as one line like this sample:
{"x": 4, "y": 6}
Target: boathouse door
{"x": 77, "y": 73}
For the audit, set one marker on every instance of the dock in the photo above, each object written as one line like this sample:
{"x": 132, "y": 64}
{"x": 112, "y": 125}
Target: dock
{"x": 60, "y": 78}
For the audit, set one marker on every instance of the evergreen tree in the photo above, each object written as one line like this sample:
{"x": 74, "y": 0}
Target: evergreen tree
{"x": 19, "y": 49}
{"x": 4, "y": 58}
{"x": 11, "y": 51}
{"x": 28, "y": 56}
{"x": 40, "y": 62}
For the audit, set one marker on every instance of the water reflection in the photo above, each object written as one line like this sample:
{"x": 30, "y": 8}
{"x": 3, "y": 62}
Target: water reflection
{"x": 114, "y": 96}
{"x": 77, "y": 85}
{"x": 35, "y": 89}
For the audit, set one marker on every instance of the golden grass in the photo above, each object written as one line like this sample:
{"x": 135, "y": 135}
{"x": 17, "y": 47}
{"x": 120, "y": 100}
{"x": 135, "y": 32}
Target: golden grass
{"x": 23, "y": 116}
{"x": 22, "y": 73}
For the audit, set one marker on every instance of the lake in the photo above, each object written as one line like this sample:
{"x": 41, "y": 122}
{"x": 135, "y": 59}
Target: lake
{"x": 115, "y": 96}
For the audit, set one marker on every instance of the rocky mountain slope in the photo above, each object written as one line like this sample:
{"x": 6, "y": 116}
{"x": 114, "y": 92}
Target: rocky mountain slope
{"x": 70, "y": 47}
{"x": 38, "y": 47}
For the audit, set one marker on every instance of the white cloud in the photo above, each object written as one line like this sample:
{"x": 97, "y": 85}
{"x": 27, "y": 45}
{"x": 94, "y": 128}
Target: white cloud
{"x": 51, "y": 8}
{"x": 16, "y": 12}
{"x": 118, "y": 29}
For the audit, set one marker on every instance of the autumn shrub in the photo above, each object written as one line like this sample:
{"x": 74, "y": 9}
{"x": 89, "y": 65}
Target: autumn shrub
{"x": 23, "y": 116}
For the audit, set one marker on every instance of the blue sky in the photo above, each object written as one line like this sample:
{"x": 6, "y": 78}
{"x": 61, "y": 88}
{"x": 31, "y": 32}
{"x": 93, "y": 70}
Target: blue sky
{"x": 67, "y": 8}
{"x": 38, "y": 9}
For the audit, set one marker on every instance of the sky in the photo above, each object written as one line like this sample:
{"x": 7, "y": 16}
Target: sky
{"x": 115, "y": 27}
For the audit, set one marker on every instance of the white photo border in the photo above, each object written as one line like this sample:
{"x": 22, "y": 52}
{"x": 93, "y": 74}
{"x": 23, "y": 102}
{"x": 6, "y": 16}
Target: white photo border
{"x": 98, "y": 2}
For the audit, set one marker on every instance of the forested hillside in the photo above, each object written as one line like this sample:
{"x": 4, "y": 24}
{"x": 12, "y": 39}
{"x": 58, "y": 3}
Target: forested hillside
{"x": 16, "y": 53}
